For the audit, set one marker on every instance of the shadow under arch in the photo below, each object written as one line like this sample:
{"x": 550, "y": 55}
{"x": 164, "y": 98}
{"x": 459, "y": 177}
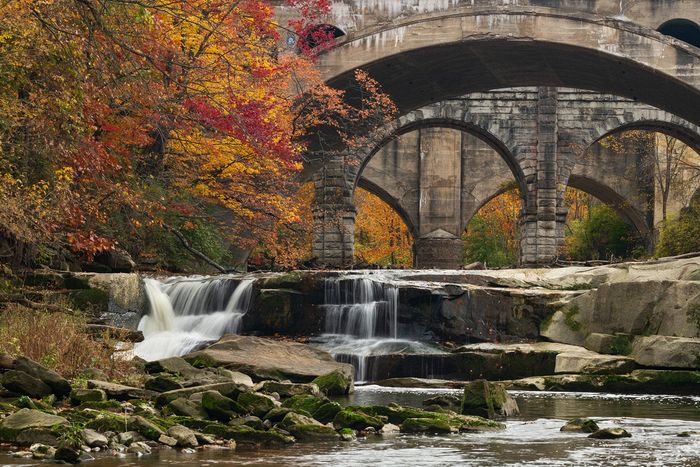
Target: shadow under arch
{"x": 682, "y": 29}
{"x": 686, "y": 133}
{"x": 501, "y": 190}
{"x": 468, "y": 127}
{"x": 613, "y": 199}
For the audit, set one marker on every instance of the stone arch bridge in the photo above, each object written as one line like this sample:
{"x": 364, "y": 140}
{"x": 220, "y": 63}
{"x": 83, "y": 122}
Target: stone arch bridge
{"x": 637, "y": 60}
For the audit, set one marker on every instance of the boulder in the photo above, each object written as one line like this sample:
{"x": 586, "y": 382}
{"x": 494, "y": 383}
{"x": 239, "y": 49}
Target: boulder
{"x": 22, "y": 383}
{"x": 580, "y": 425}
{"x": 489, "y": 400}
{"x": 173, "y": 365}
{"x": 666, "y": 352}
{"x": 357, "y": 420}
{"x": 611, "y": 344}
{"x": 256, "y": 403}
{"x": 117, "y": 260}
{"x": 593, "y": 363}
{"x": 167, "y": 440}
{"x": 185, "y": 437}
{"x": 58, "y": 384}
{"x": 93, "y": 439}
{"x": 227, "y": 389}
{"x": 335, "y": 383}
{"x": 305, "y": 404}
{"x": 121, "y": 392}
{"x": 288, "y": 389}
{"x": 268, "y": 359}
{"x": 144, "y": 427}
{"x": 251, "y": 420}
{"x": 426, "y": 425}
{"x": 446, "y": 402}
{"x": 80, "y": 396}
{"x": 162, "y": 383}
{"x": 220, "y": 407}
{"x": 307, "y": 429}
{"x": 185, "y": 408}
{"x": 327, "y": 412}
{"x": 67, "y": 455}
{"x": 28, "y": 419}
{"x": 610, "y": 433}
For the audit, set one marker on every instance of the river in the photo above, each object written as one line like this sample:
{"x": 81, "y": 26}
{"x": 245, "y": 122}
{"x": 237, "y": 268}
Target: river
{"x": 531, "y": 439}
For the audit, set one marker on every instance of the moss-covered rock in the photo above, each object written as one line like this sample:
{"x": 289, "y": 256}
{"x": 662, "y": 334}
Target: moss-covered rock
{"x": 357, "y": 420}
{"x": 106, "y": 421}
{"x": 489, "y": 400}
{"x": 334, "y": 383}
{"x": 580, "y": 425}
{"x": 313, "y": 432}
{"x": 220, "y": 407}
{"x": 308, "y": 404}
{"x": 250, "y": 420}
{"x": 256, "y": 403}
{"x": 395, "y": 413}
{"x": 287, "y": 389}
{"x": 610, "y": 433}
{"x": 247, "y": 437}
{"x": 22, "y": 383}
{"x": 145, "y": 428}
{"x": 185, "y": 407}
{"x": 278, "y": 413}
{"x": 95, "y": 300}
{"x": 426, "y": 425}
{"x": 101, "y": 405}
{"x": 80, "y": 396}
{"x": 28, "y": 419}
{"x": 327, "y": 412}
{"x": 162, "y": 383}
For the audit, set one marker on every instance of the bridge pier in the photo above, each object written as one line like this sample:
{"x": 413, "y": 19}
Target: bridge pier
{"x": 438, "y": 252}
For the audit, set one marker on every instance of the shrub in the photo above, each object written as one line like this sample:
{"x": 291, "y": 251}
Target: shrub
{"x": 681, "y": 235}
{"x": 58, "y": 341}
{"x": 599, "y": 236}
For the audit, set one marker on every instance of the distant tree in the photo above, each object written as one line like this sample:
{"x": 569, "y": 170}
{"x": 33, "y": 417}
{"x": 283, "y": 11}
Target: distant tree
{"x": 681, "y": 235}
{"x": 598, "y": 236}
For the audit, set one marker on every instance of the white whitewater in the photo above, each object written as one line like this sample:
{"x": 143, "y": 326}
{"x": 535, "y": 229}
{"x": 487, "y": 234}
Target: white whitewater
{"x": 362, "y": 321}
{"x": 186, "y": 314}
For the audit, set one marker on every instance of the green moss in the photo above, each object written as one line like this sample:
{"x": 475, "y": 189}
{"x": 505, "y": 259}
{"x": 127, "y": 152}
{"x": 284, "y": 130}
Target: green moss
{"x": 108, "y": 421}
{"x": 334, "y": 384}
{"x": 621, "y": 345}
{"x": 395, "y": 413}
{"x": 579, "y": 286}
{"x": 101, "y": 405}
{"x": 547, "y": 321}
{"x": 570, "y": 320}
{"x": 426, "y": 425}
{"x": 190, "y": 422}
{"x": 307, "y": 403}
{"x": 89, "y": 299}
{"x": 255, "y": 403}
{"x": 313, "y": 433}
{"x": 201, "y": 361}
{"x": 247, "y": 435}
{"x": 357, "y": 419}
{"x": 327, "y": 412}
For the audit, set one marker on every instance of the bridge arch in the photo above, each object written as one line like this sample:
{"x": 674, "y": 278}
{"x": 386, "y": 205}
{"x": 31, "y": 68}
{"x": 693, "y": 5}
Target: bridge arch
{"x": 479, "y": 49}
{"x": 682, "y": 29}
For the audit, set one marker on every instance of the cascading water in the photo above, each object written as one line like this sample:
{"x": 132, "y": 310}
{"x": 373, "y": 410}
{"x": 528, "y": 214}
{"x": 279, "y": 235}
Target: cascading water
{"x": 361, "y": 322}
{"x": 186, "y": 314}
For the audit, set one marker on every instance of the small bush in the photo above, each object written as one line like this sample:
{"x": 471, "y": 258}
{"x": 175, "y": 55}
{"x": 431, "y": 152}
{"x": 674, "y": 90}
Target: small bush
{"x": 681, "y": 235}
{"x": 58, "y": 341}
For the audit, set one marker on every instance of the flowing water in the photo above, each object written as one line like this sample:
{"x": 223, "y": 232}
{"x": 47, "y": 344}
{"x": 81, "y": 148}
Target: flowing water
{"x": 533, "y": 438}
{"x": 361, "y": 321}
{"x": 188, "y": 313}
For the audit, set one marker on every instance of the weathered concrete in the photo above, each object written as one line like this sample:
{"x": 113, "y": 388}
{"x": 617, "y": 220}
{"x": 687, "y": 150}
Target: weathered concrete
{"x": 437, "y": 178}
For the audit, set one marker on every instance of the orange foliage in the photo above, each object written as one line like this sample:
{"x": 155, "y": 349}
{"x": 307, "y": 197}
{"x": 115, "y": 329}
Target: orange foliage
{"x": 381, "y": 236}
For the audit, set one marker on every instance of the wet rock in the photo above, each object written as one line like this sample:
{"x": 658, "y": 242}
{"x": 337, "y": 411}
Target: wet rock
{"x": 185, "y": 437}
{"x": 335, "y": 383}
{"x": 58, "y": 384}
{"x": 277, "y": 414}
{"x": 389, "y": 429}
{"x": 327, "y": 412}
{"x": 42, "y": 451}
{"x": 489, "y": 400}
{"x": 229, "y": 389}
{"x": 357, "y": 420}
{"x": 22, "y": 383}
{"x": 80, "y": 396}
{"x": 162, "y": 383}
{"x": 251, "y": 421}
{"x": 167, "y": 440}
{"x": 688, "y": 434}
{"x": 268, "y": 359}
{"x": 446, "y": 402}
{"x": 580, "y": 425}
{"x": 93, "y": 439}
{"x": 610, "y": 433}
{"x": 288, "y": 389}
{"x": 426, "y": 425}
{"x": 256, "y": 403}
{"x": 144, "y": 427}
{"x": 249, "y": 438}
{"x": 121, "y": 392}
{"x": 67, "y": 455}
{"x": 28, "y": 419}
{"x": 139, "y": 448}
{"x": 220, "y": 407}
{"x": 305, "y": 404}
{"x": 307, "y": 429}
{"x": 186, "y": 408}
{"x": 128, "y": 437}
{"x": 592, "y": 363}
{"x": 347, "y": 435}
{"x": 666, "y": 352}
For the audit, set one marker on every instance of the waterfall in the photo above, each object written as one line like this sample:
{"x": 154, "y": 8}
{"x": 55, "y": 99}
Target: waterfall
{"x": 188, "y": 313}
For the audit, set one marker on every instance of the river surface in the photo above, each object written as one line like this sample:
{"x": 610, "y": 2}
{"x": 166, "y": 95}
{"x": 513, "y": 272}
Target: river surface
{"x": 531, "y": 439}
